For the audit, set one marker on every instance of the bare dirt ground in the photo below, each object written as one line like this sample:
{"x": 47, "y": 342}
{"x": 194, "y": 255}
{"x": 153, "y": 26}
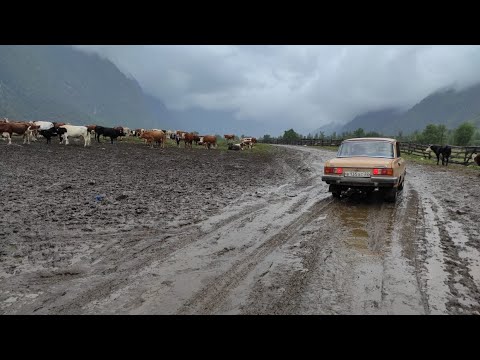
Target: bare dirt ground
{"x": 209, "y": 232}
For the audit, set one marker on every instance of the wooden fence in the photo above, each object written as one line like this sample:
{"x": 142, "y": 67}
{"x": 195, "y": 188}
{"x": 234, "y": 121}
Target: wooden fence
{"x": 309, "y": 142}
{"x": 460, "y": 154}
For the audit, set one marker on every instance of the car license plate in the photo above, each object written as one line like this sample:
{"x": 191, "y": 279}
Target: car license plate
{"x": 357, "y": 173}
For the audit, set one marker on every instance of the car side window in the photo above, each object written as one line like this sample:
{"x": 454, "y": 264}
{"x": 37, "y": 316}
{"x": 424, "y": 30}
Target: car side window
{"x": 398, "y": 150}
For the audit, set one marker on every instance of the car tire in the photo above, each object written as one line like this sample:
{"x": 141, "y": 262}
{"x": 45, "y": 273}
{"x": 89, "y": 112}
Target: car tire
{"x": 391, "y": 195}
{"x": 400, "y": 186}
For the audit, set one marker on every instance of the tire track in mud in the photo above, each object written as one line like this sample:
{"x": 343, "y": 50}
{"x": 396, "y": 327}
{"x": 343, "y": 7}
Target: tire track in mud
{"x": 410, "y": 236}
{"x": 131, "y": 262}
{"x": 464, "y": 293}
{"x": 211, "y": 297}
{"x": 449, "y": 261}
{"x": 322, "y": 253}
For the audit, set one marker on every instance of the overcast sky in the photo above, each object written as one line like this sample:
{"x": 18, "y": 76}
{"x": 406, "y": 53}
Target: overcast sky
{"x": 305, "y": 86}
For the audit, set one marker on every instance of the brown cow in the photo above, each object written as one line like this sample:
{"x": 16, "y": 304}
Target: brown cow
{"x": 229, "y": 137}
{"x": 210, "y": 140}
{"x": 188, "y": 138}
{"x": 20, "y": 128}
{"x": 91, "y": 130}
{"x": 158, "y": 136}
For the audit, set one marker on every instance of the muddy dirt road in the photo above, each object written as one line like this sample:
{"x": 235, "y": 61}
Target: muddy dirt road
{"x": 228, "y": 233}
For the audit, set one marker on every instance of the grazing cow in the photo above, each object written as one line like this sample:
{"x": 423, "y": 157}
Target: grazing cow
{"x": 210, "y": 140}
{"x": 73, "y": 131}
{"x": 232, "y": 146}
{"x": 155, "y": 135}
{"x": 229, "y": 137}
{"x": 112, "y": 133}
{"x": 444, "y": 151}
{"x": 20, "y": 128}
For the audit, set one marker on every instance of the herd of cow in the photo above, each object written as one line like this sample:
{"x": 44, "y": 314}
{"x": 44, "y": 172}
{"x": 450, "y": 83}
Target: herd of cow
{"x": 31, "y": 130}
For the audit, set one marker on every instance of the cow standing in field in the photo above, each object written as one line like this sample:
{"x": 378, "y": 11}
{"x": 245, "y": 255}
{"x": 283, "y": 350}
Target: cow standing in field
{"x": 112, "y": 133}
{"x": 73, "y": 131}
{"x": 157, "y": 136}
{"x": 229, "y": 137}
{"x": 209, "y": 141}
{"x": 188, "y": 139}
{"x": 91, "y": 130}
{"x": 20, "y": 128}
{"x": 48, "y": 134}
{"x": 444, "y": 151}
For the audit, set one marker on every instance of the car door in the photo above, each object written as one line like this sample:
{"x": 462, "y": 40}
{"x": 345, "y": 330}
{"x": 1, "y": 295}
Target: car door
{"x": 399, "y": 165}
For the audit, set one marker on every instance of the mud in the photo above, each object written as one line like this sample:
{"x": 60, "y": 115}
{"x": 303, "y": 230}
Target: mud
{"x": 125, "y": 229}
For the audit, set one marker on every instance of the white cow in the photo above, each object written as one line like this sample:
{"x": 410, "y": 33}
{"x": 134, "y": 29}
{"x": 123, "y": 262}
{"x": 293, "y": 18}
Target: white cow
{"x": 44, "y": 125}
{"x": 75, "y": 132}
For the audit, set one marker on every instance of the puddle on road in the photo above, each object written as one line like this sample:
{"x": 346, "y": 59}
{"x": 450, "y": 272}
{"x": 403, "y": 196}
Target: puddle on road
{"x": 354, "y": 217}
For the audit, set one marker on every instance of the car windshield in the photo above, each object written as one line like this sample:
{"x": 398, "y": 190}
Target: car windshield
{"x": 382, "y": 149}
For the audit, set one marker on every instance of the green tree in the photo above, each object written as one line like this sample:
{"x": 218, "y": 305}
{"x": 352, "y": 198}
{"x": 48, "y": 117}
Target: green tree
{"x": 463, "y": 134}
{"x": 267, "y": 137}
{"x": 433, "y": 134}
{"x": 291, "y": 135}
{"x": 359, "y": 133}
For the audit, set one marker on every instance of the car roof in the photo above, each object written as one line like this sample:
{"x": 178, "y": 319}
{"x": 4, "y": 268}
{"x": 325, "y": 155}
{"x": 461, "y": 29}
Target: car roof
{"x": 372, "y": 139}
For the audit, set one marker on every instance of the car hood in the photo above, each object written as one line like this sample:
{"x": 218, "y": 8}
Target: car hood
{"x": 363, "y": 162}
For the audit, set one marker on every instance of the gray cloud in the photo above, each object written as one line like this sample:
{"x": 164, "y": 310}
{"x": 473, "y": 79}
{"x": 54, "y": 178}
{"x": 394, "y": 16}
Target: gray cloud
{"x": 304, "y": 86}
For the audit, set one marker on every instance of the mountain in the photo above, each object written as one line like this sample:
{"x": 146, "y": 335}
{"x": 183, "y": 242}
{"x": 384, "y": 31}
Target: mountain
{"x": 59, "y": 83}
{"x": 447, "y": 106}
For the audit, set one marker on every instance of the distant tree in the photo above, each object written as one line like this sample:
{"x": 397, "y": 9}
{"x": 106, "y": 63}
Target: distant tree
{"x": 321, "y": 135}
{"x": 334, "y": 135}
{"x": 359, "y": 133}
{"x": 476, "y": 138}
{"x": 267, "y": 137}
{"x": 373, "y": 134}
{"x": 463, "y": 134}
{"x": 432, "y": 134}
{"x": 291, "y": 135}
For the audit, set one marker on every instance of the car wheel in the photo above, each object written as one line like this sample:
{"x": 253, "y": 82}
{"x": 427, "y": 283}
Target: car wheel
{"x": 391, "y": 195}
{"x": 335, "y": 190}
{"x": 400, "y": 186}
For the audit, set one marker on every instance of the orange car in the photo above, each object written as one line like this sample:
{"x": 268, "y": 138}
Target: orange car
{"x": 367, "y": 164}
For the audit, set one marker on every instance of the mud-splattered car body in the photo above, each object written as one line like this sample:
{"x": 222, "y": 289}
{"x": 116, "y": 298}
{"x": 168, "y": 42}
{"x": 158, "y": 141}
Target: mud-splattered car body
{"x": 366, "y": 164}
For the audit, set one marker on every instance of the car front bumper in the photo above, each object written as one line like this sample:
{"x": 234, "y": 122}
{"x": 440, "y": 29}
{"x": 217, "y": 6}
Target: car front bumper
{"x": 377, "y": 181}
